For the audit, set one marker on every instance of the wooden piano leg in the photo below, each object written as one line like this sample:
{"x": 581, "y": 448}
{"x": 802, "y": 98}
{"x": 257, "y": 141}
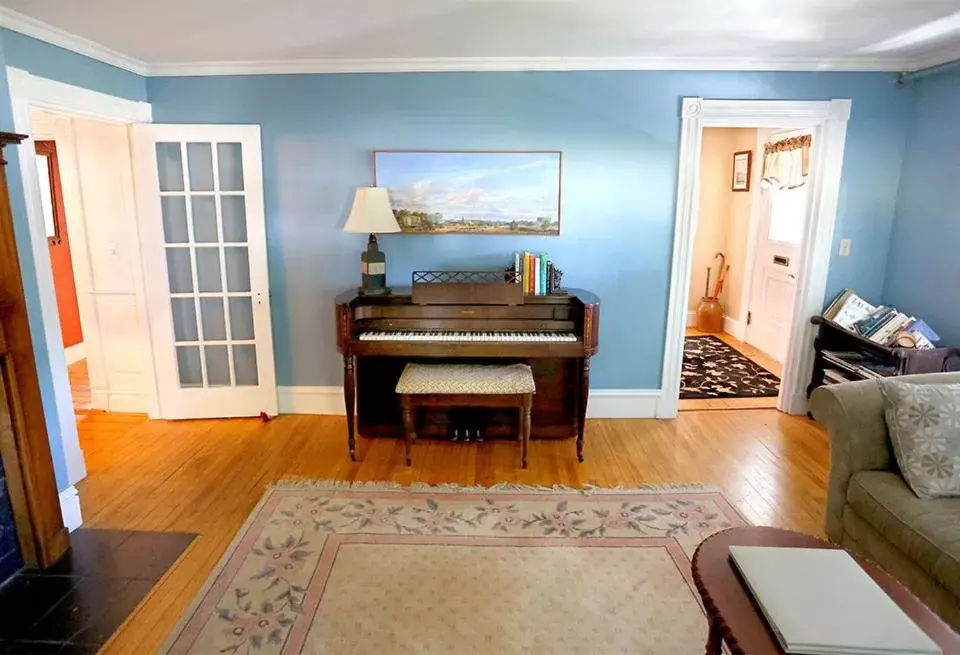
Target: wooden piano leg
{"x": 350, "y": 398}
{"x": 584, "y": 396}
{"x": 409, "y": 427}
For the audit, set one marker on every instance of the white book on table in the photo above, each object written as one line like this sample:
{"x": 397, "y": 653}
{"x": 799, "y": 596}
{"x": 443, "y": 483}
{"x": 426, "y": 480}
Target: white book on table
{"x": 819, "y": 601}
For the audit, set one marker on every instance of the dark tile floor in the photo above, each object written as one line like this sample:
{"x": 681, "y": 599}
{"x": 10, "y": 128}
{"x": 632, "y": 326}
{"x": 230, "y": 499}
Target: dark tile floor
{"x": 74, "y": 606}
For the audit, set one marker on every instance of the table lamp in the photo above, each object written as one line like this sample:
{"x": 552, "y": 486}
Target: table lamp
{"x": 371, "y": 213}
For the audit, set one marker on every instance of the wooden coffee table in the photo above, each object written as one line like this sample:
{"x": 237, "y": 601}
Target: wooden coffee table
{"x": 735, "y": 618}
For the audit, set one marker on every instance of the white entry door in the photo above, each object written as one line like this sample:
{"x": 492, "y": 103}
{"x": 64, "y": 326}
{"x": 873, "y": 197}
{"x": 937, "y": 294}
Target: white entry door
{"x": 203, "y": 243}
{"x": 776, "y": 260}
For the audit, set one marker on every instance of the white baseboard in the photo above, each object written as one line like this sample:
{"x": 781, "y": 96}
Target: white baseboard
{"x": 75, "y": 353}
{"x": 311, "y": 400}
{"x": 796, "y": 404}
{"x": 623, "y": 403}
{"x": 122, "y": 402}
{"x": 603, "y": 403}
{"x": 127, "y": 402}
{"x": 70, "y": 508}
{"x": 735, "y": 328}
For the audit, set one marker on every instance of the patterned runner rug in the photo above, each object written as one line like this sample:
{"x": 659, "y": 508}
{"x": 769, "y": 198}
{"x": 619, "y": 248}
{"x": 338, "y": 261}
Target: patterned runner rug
{"x": 329, "y": 568}
{"x": 712, "y": 369}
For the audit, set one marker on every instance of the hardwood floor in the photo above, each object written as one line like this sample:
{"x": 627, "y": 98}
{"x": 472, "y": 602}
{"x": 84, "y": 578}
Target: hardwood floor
{"x": 206, "y": 476}
{"x": 748, "y": 351}
{"x": 79, "y": 386}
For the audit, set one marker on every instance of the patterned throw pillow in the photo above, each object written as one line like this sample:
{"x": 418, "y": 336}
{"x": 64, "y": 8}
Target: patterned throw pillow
{"x": 924, "y": 425}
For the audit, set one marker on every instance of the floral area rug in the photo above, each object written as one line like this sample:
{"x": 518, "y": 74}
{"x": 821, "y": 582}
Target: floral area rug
{"x": 712, "y": 369}
{"x": 329, "y": 568}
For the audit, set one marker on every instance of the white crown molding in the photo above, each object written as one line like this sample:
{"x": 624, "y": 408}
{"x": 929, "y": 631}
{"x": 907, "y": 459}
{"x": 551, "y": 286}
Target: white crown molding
{"x": 943, "y": 56}
{"x": 501, "y": 64}
{"x": 23, "y": 24}
{"x": 873, "y": 63}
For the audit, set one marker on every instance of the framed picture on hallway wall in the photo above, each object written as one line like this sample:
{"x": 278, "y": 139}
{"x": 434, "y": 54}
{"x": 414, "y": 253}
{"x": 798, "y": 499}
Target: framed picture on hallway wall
{"x": 434, "y": 192}
{"x": 742, "y": 167}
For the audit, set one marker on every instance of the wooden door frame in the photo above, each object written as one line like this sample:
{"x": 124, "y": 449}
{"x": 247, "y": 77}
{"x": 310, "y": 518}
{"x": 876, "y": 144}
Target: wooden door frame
{"x": 24, "y": 444}
{"x": 27, "y": 93}
{"x": 828, "y": 120}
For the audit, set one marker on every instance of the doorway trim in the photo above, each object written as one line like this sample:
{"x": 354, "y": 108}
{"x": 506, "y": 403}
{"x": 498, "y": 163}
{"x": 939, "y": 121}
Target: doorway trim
{"x": 828, "y": 122}
{"x": 29, "y": 92}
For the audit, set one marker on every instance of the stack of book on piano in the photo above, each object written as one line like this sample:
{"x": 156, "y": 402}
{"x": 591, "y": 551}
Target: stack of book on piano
{"x": 819, "y": 601}
{"x": 883, "y": 325}
{"x": 535, "y": 272}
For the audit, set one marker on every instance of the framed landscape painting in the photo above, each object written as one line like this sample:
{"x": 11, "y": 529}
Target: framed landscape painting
{"x": 472, "y": 192}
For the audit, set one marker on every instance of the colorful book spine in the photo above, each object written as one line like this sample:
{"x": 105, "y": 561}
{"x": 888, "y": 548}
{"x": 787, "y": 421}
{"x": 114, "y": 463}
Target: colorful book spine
{"x": 526, "y": 273}
{"x": 543, "y": 274}
{"x": 536, "y": 275}
{"x": 531, "y": 280}
{"x": 516, "y": 267}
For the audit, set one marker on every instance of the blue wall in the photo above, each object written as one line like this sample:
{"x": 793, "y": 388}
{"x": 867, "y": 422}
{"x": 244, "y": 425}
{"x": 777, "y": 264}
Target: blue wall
{"x": 619, "y": 133}
{"x": 923, "y": 270}
{"x": 21, "y": 229}
{"x": 55, "y": 63}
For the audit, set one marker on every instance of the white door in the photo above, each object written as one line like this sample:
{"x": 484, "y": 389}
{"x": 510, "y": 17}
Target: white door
{"x": 783, "y": 215}
{"x": 204, "y": 250}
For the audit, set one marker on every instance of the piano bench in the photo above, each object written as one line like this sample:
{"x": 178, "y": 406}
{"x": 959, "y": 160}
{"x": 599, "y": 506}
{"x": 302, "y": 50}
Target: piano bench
{"x": 466, "y": 385}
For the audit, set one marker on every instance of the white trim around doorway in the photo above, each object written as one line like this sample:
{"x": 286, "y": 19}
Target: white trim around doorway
{"x": 828, "y": 122}
{"x": 29, "y": 92}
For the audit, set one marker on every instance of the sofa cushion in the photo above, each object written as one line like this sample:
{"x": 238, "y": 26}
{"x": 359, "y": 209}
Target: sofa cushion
{"x": 926, "y": 531}
{"x": 924, "y": 425}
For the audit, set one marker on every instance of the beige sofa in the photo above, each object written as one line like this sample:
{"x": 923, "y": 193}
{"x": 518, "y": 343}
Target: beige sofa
{"x": 871, "y": 510}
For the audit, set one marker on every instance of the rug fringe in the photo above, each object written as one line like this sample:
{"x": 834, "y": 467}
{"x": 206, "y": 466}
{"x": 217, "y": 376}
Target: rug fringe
{"x": 501, "y": 487}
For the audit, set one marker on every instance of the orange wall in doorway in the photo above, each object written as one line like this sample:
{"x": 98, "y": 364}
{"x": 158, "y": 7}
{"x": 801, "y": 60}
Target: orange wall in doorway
{"x": 60, "y": 260}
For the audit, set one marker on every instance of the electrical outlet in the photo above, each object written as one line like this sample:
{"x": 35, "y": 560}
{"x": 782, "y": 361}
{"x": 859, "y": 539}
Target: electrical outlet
{"x": 844, "y": 247}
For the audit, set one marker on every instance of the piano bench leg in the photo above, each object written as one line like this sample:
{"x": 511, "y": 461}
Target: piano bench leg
{"x": 409, "y": 428}
{"x": 526, "y": 407}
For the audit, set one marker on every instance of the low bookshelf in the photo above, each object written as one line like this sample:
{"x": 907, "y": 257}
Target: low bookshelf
{"x": 845, "y": 356}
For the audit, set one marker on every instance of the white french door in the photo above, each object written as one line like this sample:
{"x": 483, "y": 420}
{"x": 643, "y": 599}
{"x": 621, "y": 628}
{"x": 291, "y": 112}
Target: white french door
{"x": 203, "y": 244}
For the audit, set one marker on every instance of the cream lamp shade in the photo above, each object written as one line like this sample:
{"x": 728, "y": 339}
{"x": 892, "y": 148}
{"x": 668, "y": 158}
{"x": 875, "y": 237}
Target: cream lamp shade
{"x": 371, "y": 212}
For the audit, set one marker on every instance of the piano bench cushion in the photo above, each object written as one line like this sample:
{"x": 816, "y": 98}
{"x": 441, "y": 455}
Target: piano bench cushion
{"x": 466, "y": 379}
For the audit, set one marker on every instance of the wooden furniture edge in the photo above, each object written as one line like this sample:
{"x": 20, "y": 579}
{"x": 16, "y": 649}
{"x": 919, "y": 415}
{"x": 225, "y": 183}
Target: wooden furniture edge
{"x": 34, "y": 495}
{"x": 715, "y": 619}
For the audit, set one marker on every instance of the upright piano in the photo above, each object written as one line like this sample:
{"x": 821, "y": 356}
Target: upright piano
{"x": 379, "y": 334}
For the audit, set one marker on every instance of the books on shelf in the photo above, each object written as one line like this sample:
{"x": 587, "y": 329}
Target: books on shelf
{"x": 821, "y": 601}
{"x": 847, "y": 309}
{"x": 835, "y": 376}
{"x": 858, "y": 363}
{"x": 535, "y": 269}
{"x": 882, "y": 325}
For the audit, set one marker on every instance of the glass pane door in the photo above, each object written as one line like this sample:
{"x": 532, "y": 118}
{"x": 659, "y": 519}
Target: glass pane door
{"x": 203, "y": 211}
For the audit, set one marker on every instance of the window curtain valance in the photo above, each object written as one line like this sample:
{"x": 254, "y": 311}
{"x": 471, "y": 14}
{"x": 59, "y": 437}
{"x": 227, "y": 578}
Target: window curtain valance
{"x": 786, "y": 163}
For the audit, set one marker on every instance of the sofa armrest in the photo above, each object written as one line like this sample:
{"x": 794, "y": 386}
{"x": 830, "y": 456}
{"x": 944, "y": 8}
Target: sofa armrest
{"x": 853, "y": 415}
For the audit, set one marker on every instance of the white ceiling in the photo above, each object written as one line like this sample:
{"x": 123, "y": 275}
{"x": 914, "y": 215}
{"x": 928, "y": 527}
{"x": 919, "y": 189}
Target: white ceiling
{"x": 171, "y": 36}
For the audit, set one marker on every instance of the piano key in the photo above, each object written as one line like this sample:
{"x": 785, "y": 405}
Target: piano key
{"x": 466, "y": 337}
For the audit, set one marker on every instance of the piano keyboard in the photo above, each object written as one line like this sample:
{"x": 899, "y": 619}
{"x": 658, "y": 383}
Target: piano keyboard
{"x": 489, "y": 337}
